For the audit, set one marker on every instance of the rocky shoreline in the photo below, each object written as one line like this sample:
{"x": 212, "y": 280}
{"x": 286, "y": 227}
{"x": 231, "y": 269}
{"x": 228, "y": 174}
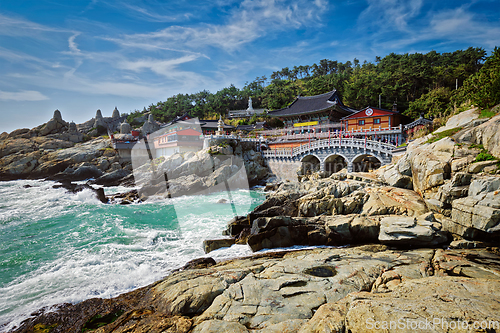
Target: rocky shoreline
{"x": 413, "y": 243}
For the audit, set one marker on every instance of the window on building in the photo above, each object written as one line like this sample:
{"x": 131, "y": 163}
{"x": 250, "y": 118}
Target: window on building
{"x": 376, "y": 121}
{"x": 361, "y": 122}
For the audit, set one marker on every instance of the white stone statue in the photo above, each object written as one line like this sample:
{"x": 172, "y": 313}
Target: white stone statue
{"x": 250, "y": 107}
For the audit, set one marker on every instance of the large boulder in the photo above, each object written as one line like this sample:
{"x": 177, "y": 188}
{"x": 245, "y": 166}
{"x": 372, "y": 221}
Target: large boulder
{"x": 393, "y": 177}
{"x": 406, "y": 231}
{"x": 430, "y": 164}
{"x": 479, "y": 216}
{"x": 387, "y": 200}
{"x": 460, "y": 120}
{"x": 486, "y": 134}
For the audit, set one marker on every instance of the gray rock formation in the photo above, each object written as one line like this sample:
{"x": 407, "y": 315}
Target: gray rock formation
{"x": 99, "y": 120}
{"x": 150, "y": 125}
{"x": 54, "y": 125}
{"x": 72, "y": 128}
{"x": 116, "y": 113}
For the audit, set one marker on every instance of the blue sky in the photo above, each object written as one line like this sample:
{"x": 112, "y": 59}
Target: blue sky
{"x": 82, "y": 55}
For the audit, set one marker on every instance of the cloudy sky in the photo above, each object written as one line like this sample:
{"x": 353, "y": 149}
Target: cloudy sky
{"x": 82, "y": 55}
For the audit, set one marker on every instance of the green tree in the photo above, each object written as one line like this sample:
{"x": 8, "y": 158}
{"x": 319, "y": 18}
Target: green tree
{"x": 434, "y": 103}
{"x": 483, "y": 88}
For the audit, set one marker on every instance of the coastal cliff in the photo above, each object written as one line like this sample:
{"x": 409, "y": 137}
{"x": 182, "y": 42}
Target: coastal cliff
{"x": 413, "y": 244}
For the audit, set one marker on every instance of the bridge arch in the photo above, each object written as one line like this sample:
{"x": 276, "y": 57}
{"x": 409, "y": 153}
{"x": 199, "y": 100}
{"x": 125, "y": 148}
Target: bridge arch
{"x": 310, "y": 163}
{"x": 334, "y": 163}
{"x": 365, "y": 162}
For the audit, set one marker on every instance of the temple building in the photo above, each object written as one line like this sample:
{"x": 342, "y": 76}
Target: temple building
{"x": 420, "y": 124}
{"x": 210, "y": 127}
{"x": 325, "y": 110}
{"x": 377, "y": 123}
{"x": 181, "y": 135}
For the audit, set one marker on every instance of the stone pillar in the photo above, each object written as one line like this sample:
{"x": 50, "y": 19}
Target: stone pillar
{"x": 349, "y": 166}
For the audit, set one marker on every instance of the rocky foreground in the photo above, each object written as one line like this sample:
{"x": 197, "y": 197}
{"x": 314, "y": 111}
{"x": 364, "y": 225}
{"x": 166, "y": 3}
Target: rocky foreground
{"x": 421, "y": 253}
{"x": 318, "y": 290}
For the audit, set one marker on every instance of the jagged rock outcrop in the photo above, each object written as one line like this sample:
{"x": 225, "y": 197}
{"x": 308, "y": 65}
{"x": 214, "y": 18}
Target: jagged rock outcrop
{"x": 54, "y": 125}
{"x": 116, "y": 113}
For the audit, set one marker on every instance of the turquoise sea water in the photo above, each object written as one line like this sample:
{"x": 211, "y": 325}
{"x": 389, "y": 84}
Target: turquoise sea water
{"x": 60, "y": 247}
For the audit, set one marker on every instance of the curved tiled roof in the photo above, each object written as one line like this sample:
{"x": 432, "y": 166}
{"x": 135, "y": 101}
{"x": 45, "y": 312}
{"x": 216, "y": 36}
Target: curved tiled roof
{"x": 312, "y": 104}
{"x": 419, "y": 121}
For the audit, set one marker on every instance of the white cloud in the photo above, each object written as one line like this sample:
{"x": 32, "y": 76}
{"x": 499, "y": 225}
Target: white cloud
{"x": 390, "y": 14}
{"x": 72, "y": 45}
{"x": 251, "y": 20}
{"x": 166, "y": 68}
{"x": 404, "y": 25}
{"x": 155, "y": 17}
{"x": 24, "y": 95}
{"x": 17, "y": 27}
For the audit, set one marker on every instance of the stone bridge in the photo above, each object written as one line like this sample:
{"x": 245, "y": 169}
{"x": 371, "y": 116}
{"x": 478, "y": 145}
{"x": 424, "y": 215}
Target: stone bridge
{"x": 329, "y": 156}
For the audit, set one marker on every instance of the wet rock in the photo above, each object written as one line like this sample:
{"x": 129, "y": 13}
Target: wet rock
{"x": 113, "y": 178}
{"x": 210, "y": 245}
{"x": 75, "y": 188}
{"x": 199, "y": 263}
{"x": 82, "y": 172}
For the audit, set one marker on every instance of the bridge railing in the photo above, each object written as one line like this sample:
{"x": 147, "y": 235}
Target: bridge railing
{"x": 233, "y": 137}
{"x": 286, "y": 135}
{"x": 371, "y": 145}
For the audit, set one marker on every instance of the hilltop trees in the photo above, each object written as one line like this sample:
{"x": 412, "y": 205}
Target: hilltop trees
{"x": 419, "y": 83}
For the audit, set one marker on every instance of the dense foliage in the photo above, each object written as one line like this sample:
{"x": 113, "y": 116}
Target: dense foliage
{"x": 418, "y": 83}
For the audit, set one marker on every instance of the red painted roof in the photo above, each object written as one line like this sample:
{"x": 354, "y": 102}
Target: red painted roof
{"x": 370, "y": 112}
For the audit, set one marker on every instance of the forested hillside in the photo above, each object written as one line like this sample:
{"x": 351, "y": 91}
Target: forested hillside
{"x": 418, "y": 83}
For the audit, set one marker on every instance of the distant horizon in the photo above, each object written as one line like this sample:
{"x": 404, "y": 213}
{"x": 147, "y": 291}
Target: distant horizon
{"x": 86, "y": 55}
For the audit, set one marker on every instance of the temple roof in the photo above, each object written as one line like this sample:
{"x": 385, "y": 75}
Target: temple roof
{"x": 303, "y": 105}
{"x": 419, "y": 121}
{"x": 373, "y": 112}
{"x": 213, "y": 124}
